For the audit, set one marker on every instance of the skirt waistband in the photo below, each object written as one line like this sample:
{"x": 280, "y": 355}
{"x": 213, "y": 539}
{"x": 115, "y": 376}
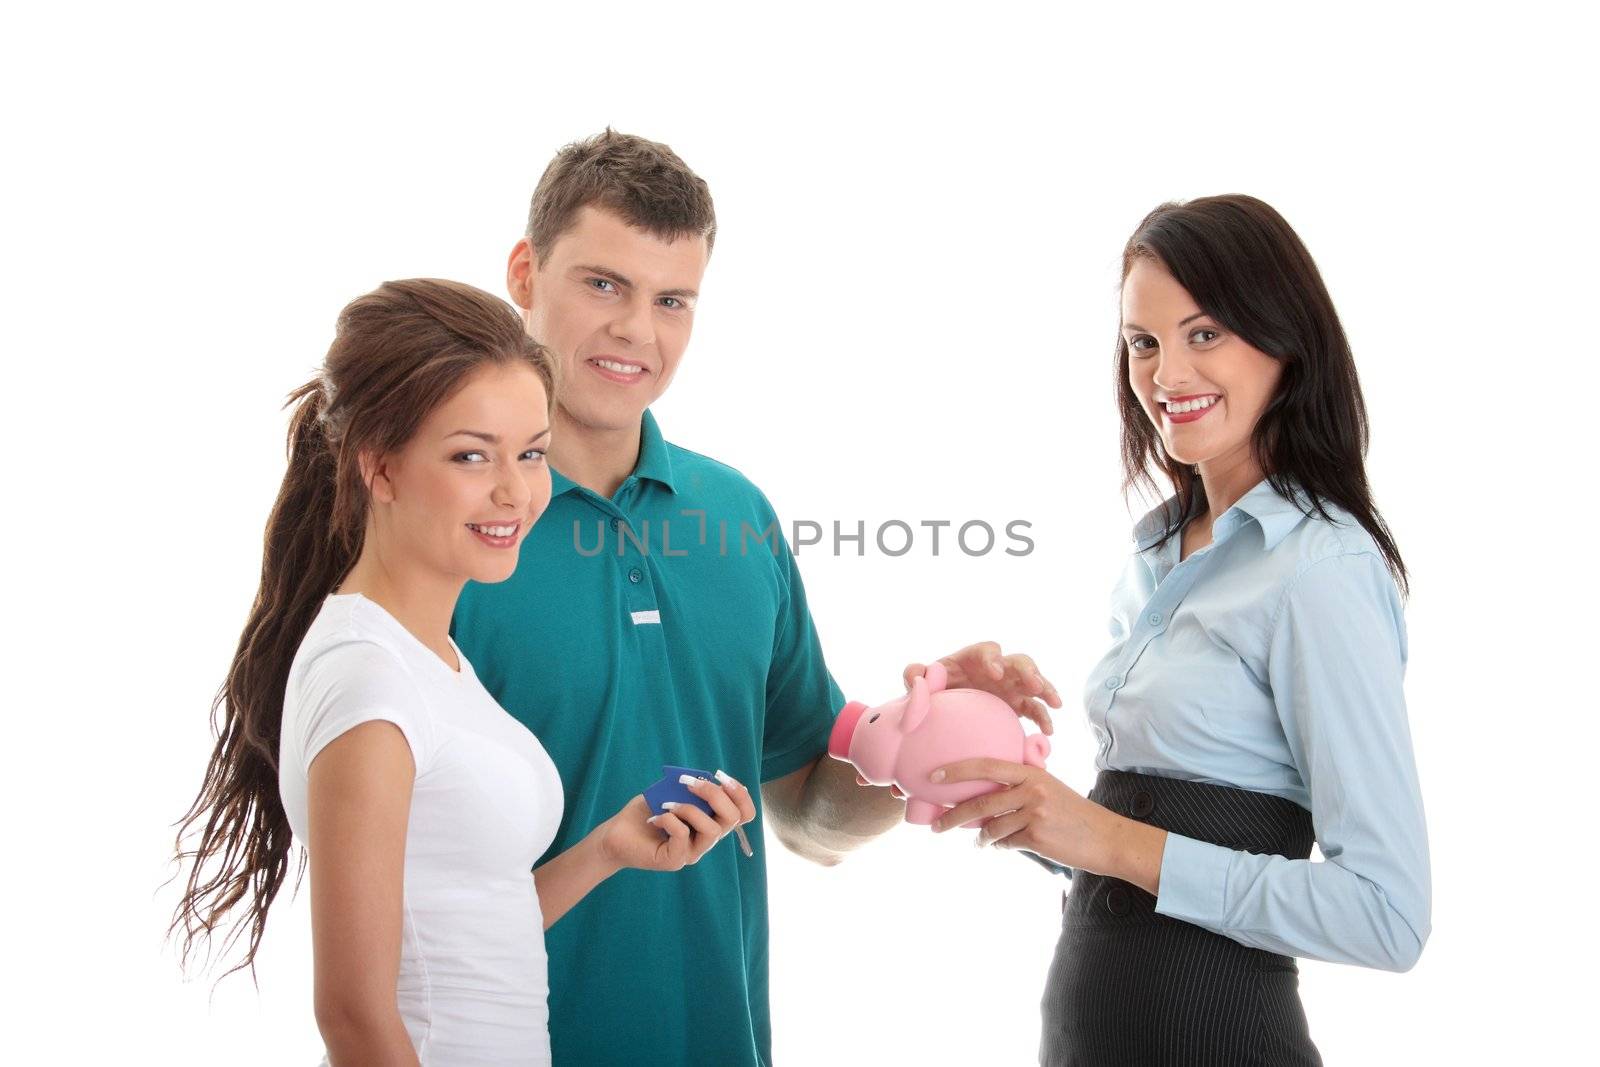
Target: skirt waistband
{"x": 1237, "y": 819}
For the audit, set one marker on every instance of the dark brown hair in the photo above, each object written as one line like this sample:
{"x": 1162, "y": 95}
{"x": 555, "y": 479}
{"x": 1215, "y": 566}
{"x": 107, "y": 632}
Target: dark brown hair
{"x": 397, "y": 353}
{"x": 1245, "y": 267}
{"x": 643, "y": 182}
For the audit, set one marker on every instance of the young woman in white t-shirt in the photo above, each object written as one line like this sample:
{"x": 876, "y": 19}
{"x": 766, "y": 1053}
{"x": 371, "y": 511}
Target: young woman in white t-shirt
{"x": 350, "y": 719}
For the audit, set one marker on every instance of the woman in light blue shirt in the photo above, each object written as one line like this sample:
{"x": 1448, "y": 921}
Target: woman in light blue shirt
{"x": 1251, "y": 699}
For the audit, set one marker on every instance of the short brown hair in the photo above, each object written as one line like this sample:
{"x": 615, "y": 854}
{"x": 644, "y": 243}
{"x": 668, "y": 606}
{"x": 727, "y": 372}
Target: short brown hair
{"x": 642, "y": 181}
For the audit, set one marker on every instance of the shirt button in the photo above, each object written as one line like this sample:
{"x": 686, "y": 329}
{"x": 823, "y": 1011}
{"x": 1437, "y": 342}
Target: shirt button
{"x": 1117, "y": 900}
{"x": 1114, "y": 681}
{"x": 1143, "y": 804}
{"x": 616, "y": 524}
{"x": 1155, "y": 618}
{"x": 636, "y": 576}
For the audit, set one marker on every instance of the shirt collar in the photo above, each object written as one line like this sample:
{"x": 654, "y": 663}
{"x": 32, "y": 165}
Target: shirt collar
{"x": 654, "y": 461}
{"x": 1274, "y": 513}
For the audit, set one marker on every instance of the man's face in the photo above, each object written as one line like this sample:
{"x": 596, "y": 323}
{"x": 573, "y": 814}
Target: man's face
{"x": 615, "y": 305}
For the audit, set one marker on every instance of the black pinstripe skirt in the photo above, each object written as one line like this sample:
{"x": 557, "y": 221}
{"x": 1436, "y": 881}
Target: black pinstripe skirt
{"x": 1129, "y": 986}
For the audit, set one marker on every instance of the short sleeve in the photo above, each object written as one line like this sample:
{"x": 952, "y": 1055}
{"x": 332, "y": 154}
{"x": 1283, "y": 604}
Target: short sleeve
{"x": 802, "y": 697}
{"x": 355, "y": 682}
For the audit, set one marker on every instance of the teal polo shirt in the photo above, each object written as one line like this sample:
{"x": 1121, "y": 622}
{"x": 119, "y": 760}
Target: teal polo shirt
{"x": 666, "y": 625}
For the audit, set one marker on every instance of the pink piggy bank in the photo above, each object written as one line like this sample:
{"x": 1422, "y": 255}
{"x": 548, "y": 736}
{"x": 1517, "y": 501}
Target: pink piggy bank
{"x": 905, "y": 740}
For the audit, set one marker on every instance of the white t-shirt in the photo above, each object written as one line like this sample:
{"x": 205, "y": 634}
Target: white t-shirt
{"x": 485, "y": 805}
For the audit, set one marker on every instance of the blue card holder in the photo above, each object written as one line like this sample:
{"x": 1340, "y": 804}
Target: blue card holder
{"x": 669, "y": 789}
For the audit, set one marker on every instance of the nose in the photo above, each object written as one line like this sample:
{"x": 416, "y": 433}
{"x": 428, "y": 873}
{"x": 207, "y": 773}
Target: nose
{"x": 512, "y": 490}
{"x": 1173, "y": 370}
{"x": 635, "y": 324}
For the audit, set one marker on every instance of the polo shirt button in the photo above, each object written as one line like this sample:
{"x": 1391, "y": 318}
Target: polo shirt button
{"x": 1155, "y": 618}
{"x": 636, "y": 576}
{"x": 1114, "y": 681}
{"x": 1117, "y": 900}
{"x": 616, "y": 524}
{"x": 1143, "y": 804}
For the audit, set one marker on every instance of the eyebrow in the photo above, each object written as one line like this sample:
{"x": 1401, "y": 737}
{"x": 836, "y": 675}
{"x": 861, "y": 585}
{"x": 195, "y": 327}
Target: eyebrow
{"x": 1184, "y": 322}
{"x": 627, "y": 283}
{"x": 492, "y": 438}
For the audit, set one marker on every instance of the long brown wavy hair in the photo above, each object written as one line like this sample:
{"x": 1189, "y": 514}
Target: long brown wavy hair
{"x": 397, "y": 353}
{"x": 1245, "y": 267}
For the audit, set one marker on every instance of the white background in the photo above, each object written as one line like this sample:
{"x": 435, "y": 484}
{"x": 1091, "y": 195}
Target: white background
{"x": 909, "y": 314}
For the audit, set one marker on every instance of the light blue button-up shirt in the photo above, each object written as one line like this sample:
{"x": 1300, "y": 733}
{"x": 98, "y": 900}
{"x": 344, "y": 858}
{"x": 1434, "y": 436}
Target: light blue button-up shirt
{"x": 1272, "y": 660}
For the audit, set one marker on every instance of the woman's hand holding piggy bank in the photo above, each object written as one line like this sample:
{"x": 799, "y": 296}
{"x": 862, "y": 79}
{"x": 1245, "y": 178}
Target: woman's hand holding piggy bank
{"x": 901, "y": 743}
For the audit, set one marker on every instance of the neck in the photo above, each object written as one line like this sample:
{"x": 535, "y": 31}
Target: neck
{"x": 598, "y": 459}
{"x": 1227, "y": 478}
{"x": 420, "y": 599}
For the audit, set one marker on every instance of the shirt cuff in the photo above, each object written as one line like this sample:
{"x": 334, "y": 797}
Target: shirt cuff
{"x": 1194, "y": 881}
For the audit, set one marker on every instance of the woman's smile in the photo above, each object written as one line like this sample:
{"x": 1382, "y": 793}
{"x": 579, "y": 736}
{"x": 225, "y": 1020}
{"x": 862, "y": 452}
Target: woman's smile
{"x": 1183, "y": 409}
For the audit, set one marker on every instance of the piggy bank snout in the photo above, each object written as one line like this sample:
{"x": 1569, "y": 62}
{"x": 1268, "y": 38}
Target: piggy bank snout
{"x": 844, "y": 728}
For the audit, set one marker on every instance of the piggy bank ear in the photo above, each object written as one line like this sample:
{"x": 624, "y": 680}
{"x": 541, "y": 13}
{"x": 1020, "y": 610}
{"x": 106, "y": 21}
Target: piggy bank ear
{"x": 916, "y": 706}
{"x": 937, "y": 676}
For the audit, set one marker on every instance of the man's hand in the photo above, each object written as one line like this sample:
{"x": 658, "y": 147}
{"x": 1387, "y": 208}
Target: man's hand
{"x": 1014, "y": 679}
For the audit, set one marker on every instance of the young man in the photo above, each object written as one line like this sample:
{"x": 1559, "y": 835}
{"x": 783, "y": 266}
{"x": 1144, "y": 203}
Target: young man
{"x": 657, "y": 617}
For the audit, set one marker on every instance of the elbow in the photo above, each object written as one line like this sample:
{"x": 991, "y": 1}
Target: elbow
{"x": 351, "y": 1026}
{"x": 1407, "y": 952}
{"x": 808, "y": 848}
{"x": 1401, "y": 949}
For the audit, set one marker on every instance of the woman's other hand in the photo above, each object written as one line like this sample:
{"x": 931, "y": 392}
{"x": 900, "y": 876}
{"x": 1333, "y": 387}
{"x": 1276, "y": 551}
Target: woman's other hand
{"x": 633, "y": 837}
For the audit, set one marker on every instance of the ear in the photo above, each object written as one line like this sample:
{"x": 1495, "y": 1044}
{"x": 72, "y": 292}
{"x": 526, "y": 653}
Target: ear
{"x": 521, "y": 269}
{"x": 375, "y": 476}
{"x": 916, "y": 706}
{"x": 938, "y": 677}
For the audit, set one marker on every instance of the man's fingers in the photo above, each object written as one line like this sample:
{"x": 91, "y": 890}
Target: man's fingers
{"x": 1035, "y": 712}
{"x": 912, "y": 672}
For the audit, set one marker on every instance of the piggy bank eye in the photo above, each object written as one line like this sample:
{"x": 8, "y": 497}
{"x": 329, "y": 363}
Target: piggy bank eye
{"x": 874, "y": 718}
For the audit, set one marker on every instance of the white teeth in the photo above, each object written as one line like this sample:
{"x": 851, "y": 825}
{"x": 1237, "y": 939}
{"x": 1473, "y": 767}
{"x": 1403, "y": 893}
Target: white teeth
{"x": 1189, "y": 405}
{"x": 619, "y": 368}
{"x": 493, "y": 531}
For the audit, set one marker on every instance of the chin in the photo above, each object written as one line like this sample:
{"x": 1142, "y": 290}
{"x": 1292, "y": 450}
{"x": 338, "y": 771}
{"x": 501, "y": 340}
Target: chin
{"x": 610, "y": 416}
{"x": 486, "y": 574}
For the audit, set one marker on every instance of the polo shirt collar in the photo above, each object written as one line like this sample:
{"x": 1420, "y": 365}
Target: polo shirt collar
{"x": 1275, "y": 514}
{"x": 654, "y": 463}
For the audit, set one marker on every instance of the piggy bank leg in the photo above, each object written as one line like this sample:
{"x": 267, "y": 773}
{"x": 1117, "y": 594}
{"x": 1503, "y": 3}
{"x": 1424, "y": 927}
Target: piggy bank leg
{"x": 923, "y": 812}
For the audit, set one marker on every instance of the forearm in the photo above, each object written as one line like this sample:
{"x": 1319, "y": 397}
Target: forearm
{"x": 1133, "y": 851}
{"x": 1322, "y": 910}
{"x": 359, "y": 1034}
{"x": 832, "y": 815}
{"x": 569, "y": 877}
